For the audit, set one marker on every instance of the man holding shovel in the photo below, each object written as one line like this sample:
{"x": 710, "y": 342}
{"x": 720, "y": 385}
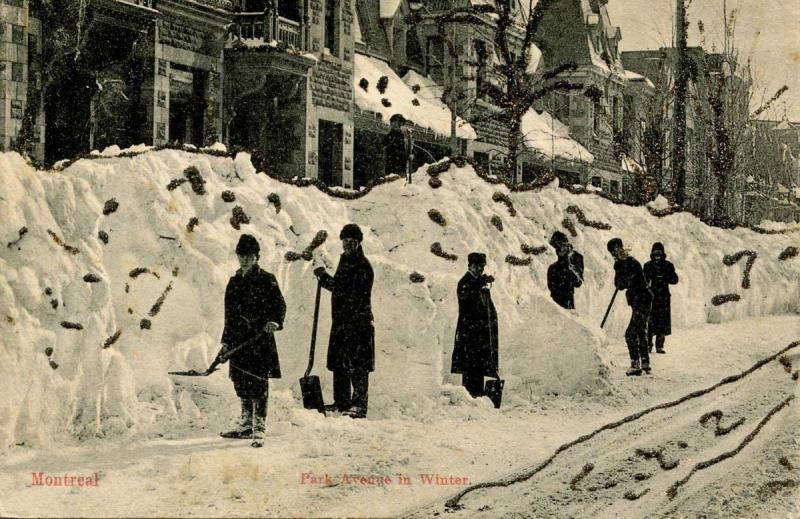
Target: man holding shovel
{"x": 351, "y": 349}
{"x": 254, "y": 310}
{"x": 476, "y": 348}
{"x": 628, "y": 276}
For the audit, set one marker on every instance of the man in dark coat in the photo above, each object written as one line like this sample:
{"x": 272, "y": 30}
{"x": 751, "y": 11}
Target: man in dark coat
{"x": 254, "y": 310}
{"x": 629, "y": 277}
{"x": 351, "y": 349}
{"x": 396, "y": 146}
{"x": 475, "y": 354}
{"x": 659, "y": 274}
{"x": 566, "y": 274}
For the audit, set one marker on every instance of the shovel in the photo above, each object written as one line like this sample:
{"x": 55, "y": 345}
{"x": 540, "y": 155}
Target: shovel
{"x": 494, "y": 387}
{"x": 217, "y": 361}
{"x": 309, "y": 384}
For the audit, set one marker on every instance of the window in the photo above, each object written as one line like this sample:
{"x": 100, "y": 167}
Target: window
{"x": 162, "y": 67}
{"x": 17, "y": 34}
{"x": 435, "y": 58}
{"x": 614, "y": 187}
{"x": 331, "y": 26}
{"x": 481, "y": 76}
{"x": 16, "y": 109}
{"x": 17, "y": 72}
{"x": 597, "y": 181}
{"x": 561, "y": 107}
{"x": 162, "y": 99}
{"x": 615, "y": 114}
{"x": 597, "y": 116}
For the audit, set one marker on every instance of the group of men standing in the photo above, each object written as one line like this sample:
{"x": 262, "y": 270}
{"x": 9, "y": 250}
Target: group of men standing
{"x": 646, "y": 291}
{"x": 255, "y": 310}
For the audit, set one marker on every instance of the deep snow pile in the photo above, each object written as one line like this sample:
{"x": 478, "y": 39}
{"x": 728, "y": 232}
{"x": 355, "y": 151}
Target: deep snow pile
{"x": 150, "y": 299}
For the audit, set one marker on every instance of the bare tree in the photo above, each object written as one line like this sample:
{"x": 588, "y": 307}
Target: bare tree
{"x": 511, "y": 26}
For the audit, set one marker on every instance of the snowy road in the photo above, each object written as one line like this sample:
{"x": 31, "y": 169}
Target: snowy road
{"x": 729, "y": 453}
{"x": 204, "y": 476}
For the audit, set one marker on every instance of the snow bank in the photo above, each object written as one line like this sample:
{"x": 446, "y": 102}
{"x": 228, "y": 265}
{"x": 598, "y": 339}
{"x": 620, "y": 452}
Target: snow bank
{"x": 75, "y": 264}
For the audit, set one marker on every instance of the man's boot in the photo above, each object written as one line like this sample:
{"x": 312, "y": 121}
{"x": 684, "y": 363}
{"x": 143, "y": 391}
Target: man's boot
{"x": 244, "y": 428}
{"x": 660, "y": 344}
{"x": 646, "y": 366}
{"x": 259, "y": 421}
{"x": 635, "y": 369}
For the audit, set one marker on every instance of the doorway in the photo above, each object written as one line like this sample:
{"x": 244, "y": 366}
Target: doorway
{"x": 330, "y": 153}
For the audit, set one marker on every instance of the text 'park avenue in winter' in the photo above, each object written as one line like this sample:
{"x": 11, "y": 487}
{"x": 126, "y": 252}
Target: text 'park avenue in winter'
{"x": 308, "y": 478}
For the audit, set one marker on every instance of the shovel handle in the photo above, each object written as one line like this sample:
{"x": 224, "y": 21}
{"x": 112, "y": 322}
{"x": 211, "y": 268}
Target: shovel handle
{"x": 314, "y": 330}
{"x": 608, "y": 310}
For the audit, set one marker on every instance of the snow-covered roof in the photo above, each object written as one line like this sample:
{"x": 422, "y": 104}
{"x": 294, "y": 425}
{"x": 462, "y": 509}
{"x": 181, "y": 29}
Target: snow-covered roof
{"x": 633, "y": 76}
{"x": 430, "y": 112}
{"x": 630, "y": 165}
{"x": 548, "y": 136}
{"x": 389, "y": 7}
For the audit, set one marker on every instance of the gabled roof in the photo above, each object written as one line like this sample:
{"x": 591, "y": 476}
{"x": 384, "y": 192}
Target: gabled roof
{"x": 389, "y": 7}
{"x": 372, "y": 33}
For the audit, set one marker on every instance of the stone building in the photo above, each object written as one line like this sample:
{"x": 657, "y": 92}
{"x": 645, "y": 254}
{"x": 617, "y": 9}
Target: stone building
{"x": 20, "y": 33}
{"x": 580, "y": 33}
{"x": 125, "y": 73}
{"x": 465, "y": 76}
{"x": 289, "y": 94}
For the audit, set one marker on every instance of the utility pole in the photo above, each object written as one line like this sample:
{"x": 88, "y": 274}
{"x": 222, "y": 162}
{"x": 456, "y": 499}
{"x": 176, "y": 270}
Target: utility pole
{"x": 679, "y": 131}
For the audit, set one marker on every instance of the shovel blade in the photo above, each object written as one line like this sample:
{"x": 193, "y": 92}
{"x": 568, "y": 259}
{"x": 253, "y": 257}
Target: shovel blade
{"x": 312, "y": 393}
{"x": 190, "y": 373}
{"x": 494, "y": 390}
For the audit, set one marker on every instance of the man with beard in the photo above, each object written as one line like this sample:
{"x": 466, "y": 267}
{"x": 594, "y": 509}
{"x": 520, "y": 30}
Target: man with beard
{"x": 628, "y": 276}
{"x": 476, "y": 346}
{"x": 254, "y": 310}
{"x": 566, "y": 274}
{"x": 660, "y": 274}
{"x": 351, "y": 349}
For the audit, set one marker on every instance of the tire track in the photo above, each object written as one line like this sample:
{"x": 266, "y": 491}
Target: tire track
{"x": 609, "y": 472}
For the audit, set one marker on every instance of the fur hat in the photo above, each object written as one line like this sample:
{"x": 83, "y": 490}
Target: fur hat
{"x": 351, "y": 230}
{"x": 558, "y": 238}
{"x": 247, "y": 245}
{"x": 614, "y": 243}
{"x": 476, "y": 258}
{"x": 658, "y": 247}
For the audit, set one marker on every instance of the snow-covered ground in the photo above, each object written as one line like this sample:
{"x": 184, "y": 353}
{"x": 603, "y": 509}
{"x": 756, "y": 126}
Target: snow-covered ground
{"x": 153, "y": 436}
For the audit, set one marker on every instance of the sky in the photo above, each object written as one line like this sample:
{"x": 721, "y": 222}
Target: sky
{"x": 766, "y": 31}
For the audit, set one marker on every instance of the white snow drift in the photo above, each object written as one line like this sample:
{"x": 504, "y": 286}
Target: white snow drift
{"x": 90, "y": 390}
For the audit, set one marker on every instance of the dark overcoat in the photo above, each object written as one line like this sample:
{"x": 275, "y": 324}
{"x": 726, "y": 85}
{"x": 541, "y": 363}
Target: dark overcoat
{"x": 660, "y": 274}
{"x": 251, "y": 301}
{"x": 476, "y": 341}
{"x": 395, "y": 152}
{"x": 562, "y": 281}
{"x": 352, "y": 340}
{"x": 628, "y": 276}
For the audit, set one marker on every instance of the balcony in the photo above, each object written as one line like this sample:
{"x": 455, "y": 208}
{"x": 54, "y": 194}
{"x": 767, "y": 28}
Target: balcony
{"x": 289, "y": 32}
{"x": 267, "y": 27}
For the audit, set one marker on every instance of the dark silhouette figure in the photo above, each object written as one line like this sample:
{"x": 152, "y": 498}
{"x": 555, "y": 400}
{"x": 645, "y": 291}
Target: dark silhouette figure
{"x": 351, "y": 349}
{"x": 659, "y": 275}
{"x": 628, "y": 276}
{"x": 396, "y": 146}
{"x": 566, "y": 274}
{"x": 475, "y": 354}
{"x": 254, "y": 308}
